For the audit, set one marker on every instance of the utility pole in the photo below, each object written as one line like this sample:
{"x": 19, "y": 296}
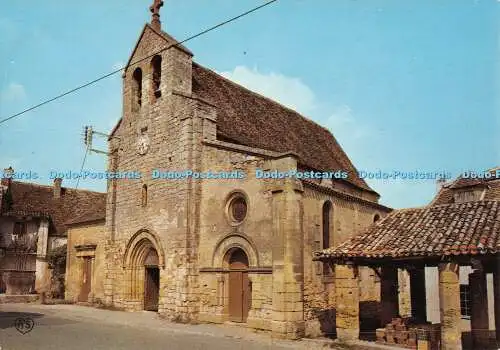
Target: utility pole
{"x": 88, "y": 135}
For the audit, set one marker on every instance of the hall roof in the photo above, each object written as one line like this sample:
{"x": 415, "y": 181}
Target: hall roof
{"x": 491, "y": 186}
{"x": 468, "y": 228}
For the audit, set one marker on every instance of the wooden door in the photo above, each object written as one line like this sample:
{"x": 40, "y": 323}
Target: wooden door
{"x": 86, "y": 284}
{"x": 239, "y": 287}
{"x": 151, "y": 289}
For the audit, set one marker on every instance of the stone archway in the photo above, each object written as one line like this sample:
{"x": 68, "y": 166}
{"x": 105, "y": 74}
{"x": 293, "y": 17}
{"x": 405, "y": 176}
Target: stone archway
{"x": 230, "y": 242}
{"x": 142, "y": 262}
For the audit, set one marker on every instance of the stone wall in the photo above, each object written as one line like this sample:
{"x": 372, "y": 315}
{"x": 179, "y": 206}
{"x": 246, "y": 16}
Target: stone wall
{"x": 80, "y": 240}
{"x": 172, "y": 123}
{"x": 349, "y": 215}
{"x": 218, "y": 234}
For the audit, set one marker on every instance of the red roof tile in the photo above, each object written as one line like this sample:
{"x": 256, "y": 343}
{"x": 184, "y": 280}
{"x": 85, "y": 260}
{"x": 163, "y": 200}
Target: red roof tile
{"x": 462, "y": 228}
{"x": 491, "y": 185}
{"x": 250, "y": 119}
{"x": 88, "y": 217}
{"x": 34, "y": 198}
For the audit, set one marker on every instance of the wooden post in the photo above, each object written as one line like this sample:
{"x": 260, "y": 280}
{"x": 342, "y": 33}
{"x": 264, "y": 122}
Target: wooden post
{"x": 479, "y": 309}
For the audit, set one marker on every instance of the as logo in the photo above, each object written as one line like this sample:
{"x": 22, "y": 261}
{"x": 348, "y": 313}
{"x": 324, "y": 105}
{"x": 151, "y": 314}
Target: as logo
{"x": 24, "y": 325}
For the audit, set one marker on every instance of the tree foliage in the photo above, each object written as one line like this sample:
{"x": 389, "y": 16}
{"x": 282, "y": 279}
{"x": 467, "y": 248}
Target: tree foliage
{"x": 56, "y": 258}
{"x": 7, "y": 200}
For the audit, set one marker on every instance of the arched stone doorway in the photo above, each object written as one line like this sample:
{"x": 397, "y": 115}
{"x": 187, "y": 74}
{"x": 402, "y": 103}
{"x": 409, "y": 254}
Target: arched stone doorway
{"x": 239, "y": 285}
{"x": 143, "y": 260}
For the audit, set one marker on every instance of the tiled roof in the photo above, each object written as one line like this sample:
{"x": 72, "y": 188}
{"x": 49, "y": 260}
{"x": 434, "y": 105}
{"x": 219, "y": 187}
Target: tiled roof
{"x": 29, "y": 197}
{"x": 491, "y": 185}
{"x": 87, "y": 217}
{"x": 34, "y": 214}
{"x": 250, "y": 119}
{"x": 450, "y": 229}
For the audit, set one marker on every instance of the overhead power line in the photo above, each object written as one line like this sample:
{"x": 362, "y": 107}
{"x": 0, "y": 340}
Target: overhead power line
{"x": 83, "y": 165}
{"x": 91, "y": 82}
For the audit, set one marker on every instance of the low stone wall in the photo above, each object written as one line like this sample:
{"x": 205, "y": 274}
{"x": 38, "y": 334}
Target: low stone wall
{"x": 18, "y": 282}
{"x": 25, "y": 298}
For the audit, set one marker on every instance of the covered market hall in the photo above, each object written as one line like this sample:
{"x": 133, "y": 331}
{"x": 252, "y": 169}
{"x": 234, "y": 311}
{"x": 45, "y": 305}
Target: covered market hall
{"x": 458, "y": 241}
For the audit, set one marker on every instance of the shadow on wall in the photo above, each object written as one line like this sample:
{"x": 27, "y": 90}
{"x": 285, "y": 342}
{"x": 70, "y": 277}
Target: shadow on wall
{"x": 369, "y": 319}
{"x": 468, "y": 344}
{"x": 327, "y": 319}
{"x": 369, "y": 314}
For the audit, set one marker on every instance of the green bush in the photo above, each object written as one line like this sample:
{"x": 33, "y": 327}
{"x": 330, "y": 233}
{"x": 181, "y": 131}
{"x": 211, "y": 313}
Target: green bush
{"x": 56, "y": 260}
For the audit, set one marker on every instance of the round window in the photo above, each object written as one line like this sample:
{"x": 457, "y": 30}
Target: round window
{"x": 238, "y": 209}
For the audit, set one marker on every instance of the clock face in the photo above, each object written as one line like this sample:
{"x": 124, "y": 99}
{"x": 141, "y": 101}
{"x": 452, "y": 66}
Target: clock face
{"x": 142, "y": 144}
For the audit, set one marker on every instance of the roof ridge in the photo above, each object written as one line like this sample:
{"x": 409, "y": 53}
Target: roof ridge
{"x": 423, "y": 207}
{"x": 83, "y": 190}
{"x": 465, "y": 203}
{"x": 51, "y": 187}
{"x": 307, "y": 119}
{"x": 257, "y": 93}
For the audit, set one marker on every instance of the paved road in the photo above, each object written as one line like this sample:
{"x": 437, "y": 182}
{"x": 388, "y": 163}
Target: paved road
{"x": 79, "y": 327}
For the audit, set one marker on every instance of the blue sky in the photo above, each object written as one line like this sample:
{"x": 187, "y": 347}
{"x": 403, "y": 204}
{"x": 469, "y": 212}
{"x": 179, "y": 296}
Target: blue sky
{"x": 403, "y": 85}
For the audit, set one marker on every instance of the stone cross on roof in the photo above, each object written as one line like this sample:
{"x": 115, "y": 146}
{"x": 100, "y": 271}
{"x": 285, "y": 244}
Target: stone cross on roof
{"x": 155, "y": 10}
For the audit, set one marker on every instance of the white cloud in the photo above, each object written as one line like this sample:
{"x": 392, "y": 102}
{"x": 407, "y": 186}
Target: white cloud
{"x": 13, "y": 92}
{"x": 117, "y": 65}
{"x": 344, "y": 124}
{"x": 289, "y": 91}
{"x": 362, "y": 141}
{"x": 352, "y": 133}
{"x": 295, "y": 94}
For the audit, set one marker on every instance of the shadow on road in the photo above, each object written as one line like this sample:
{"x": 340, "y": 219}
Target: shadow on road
{"x": 7, "y": 319}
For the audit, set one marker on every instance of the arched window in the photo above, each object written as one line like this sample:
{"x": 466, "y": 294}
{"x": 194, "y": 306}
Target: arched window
{"x": 156, "y": 76}
{"x": 376, "y": 218}
{"x": 137, "y": 88}
{"x": 144, "y": 195}
{"x": 327, "y": 209}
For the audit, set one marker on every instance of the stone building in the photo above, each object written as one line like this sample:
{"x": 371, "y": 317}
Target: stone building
{"x": 84, "y": 279}
{"x": 450, "y": 250}
{"x": 226, "y": 249}
{"x": 35, "y": 214}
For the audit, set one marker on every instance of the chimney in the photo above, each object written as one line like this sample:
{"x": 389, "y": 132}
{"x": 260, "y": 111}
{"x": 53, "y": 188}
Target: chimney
{"x": 440, "y": 181}
{"x": 57, "y": 187}
{"x": 7, "y": 175}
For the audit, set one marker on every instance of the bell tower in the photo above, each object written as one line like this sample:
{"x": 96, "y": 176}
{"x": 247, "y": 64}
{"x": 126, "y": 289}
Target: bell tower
{"x": 158, "y": 130}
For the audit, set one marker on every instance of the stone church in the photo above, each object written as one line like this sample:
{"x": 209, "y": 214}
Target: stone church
{"x": 217, "y": 250}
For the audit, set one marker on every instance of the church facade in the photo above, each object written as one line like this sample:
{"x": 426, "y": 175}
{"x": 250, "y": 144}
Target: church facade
{"x": 234, "y": 247}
